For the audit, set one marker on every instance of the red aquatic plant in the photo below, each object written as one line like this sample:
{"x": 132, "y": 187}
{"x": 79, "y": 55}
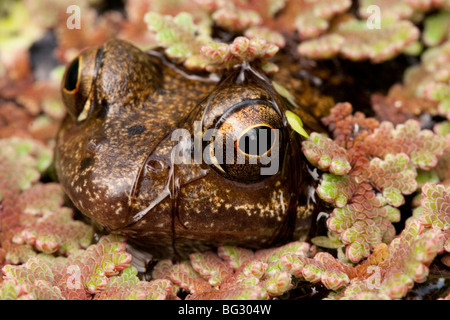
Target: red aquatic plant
{"x": 353, "y": 39}
{"x": 94, "y": 271}
{"x": 185, "y": 43}
{"x": 385, "y": 160}
{"x": 424, "y": 90}
{"x": 367, "y": 164}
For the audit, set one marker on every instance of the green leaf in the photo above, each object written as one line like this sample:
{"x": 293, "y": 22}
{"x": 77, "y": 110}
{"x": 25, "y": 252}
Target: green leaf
{"x": 296, "y": 123}
{"x": 326, "y": 242}
{"x": 184, "y": 20}
{"x": 285, "y": 93}
{"x": 435, "y": 28}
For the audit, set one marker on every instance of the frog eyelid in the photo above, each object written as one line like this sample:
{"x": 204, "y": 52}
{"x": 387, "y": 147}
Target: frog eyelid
{"x": 214, "y": 160}
{"x": 98, "y": 62}
{"x": 85, "y": 112}
{"x": 87, "y": 109}
{"x": 241, "y": 105}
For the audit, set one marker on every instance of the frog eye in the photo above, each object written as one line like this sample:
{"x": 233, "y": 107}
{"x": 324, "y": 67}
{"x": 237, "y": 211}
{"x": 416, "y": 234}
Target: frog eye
{"x": 250, "y": 137}
{"x": 77, "y": 84}
{"x": 71, "y": 80}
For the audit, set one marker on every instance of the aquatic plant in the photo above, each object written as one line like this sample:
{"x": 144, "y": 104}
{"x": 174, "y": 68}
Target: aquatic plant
{"x": 102, "y": 271}
{"x": 367, "y": 165}
{"x": 402, "y": 9}
{"x": 383, "y": 159}
{"x": 242, "y": 50}
{"x": 178, "y": 35}
{"x": 23, "y": 160}
{"x": 233, "y": 18}
{"x": 436, "y": 29}
{"x": 18, "y": 33}
{"x": 424, "y": 89}
{"x": 429, "y": 79}
{"x": 353, "y": 39}
{"x": 184, "y": 43}
{"x": 388, "y": 272}
{"x": 326, "y": 155}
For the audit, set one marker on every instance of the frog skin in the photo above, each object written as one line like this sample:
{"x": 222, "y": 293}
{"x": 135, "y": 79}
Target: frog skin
{"x": 113, "y": 155}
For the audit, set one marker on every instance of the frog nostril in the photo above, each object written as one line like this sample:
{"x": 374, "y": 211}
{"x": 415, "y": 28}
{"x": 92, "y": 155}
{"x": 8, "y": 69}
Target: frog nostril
{"x": 137, "y": 129}
{"x": 85, "y": 163}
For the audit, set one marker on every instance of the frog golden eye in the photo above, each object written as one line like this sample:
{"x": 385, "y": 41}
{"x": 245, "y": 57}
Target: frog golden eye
{"x": 250, "y": 139}
{"x": 77, "y": 84}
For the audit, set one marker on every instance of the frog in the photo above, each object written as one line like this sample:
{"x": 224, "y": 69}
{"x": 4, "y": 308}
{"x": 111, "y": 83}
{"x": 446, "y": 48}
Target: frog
{"x": 117, "y": 160}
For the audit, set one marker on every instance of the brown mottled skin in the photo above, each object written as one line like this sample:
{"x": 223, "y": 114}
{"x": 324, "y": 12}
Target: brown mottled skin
{"x": 113, "y": 156}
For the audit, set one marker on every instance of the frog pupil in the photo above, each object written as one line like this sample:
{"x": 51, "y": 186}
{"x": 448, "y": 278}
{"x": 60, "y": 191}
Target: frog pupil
{"x": 257, "y": 141}
{"x": 72, "y": 76}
